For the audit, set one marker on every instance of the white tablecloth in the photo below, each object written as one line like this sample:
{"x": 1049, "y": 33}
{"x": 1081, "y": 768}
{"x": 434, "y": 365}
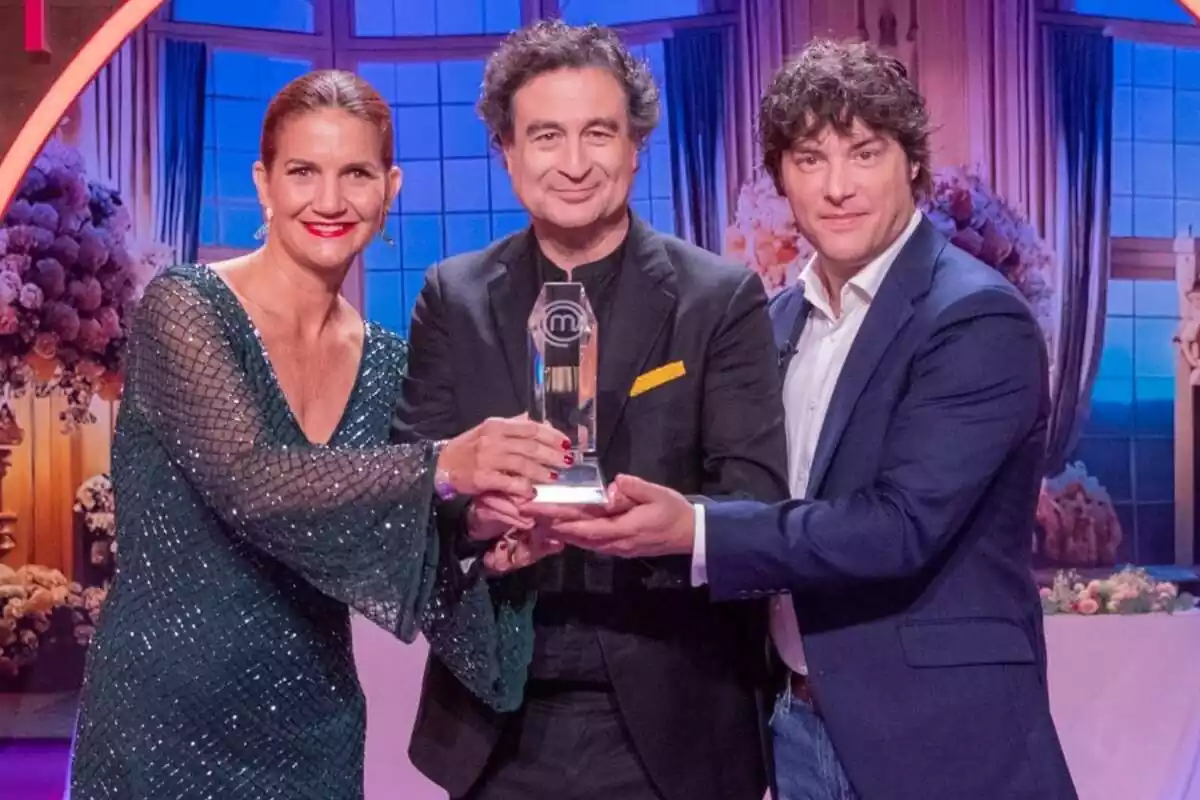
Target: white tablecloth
{"x": 1125, "y": 693}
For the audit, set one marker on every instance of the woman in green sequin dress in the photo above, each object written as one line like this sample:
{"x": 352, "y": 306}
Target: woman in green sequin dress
{"x": 258, "y": 500}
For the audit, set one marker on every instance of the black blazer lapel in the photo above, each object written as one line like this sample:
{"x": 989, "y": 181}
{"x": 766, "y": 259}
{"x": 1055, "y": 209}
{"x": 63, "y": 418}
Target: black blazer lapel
{"x": 645, "y": 297}
{"x": 909, "y": 277}
{"x": 512, "y": 290}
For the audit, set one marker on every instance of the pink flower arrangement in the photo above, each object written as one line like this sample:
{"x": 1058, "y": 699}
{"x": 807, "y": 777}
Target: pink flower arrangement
{"x": 1130, "y": 591}
{"x": 764, "y": 236}
{"x": 1077, "y": 521}
{"x": 69, "y": 278}
{"x": 977, "y": 220}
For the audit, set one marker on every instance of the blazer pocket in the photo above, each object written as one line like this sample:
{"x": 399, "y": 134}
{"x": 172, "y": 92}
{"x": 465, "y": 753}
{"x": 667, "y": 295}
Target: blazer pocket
{"x": 965, "y": 642}
{"x": 659, "y": 376}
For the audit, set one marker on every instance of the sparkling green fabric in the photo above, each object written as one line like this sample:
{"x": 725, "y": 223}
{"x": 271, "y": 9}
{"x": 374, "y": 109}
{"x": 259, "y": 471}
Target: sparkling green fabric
{"x": 223, "y": 666}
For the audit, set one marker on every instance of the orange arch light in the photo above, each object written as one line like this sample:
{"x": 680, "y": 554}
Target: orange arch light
{"x": 87, "y": 62}
{"x": 1192, "y": 6}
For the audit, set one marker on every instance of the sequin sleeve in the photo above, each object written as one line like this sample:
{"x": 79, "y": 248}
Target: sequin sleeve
{"x": 354, "y": 522}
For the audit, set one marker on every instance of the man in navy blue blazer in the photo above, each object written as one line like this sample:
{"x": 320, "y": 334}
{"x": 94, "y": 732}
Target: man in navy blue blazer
{"x": 905, "y": 618}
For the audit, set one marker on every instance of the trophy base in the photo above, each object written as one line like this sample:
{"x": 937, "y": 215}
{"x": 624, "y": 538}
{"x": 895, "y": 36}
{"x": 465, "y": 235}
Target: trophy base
{"x": 579, "y": 484}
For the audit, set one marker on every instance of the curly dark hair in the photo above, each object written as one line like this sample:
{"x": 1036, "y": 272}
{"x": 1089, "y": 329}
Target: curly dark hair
{"x": 832, "y": 84}
{"x": 551, "y": 45}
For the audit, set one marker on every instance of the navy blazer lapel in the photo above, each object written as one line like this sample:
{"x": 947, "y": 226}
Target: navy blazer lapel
{"x": 512, "y": 288}
{"x": 789, "y": 311}
{"x": 644, "y": 299}
{"x": 908, "y": 278}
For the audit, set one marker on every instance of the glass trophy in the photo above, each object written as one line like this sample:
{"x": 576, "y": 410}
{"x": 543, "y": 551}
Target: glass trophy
{"x": 563, "y": 352}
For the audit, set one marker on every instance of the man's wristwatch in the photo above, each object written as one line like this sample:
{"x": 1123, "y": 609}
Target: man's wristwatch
{"x": 442, "y": 485}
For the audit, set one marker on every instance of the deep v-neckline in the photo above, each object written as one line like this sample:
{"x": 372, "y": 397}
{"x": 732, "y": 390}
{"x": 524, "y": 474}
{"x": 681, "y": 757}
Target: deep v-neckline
{"x": 248, "y": 322}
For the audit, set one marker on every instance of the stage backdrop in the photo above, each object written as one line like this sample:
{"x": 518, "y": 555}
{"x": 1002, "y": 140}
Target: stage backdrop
{"x": 164, "y": 137}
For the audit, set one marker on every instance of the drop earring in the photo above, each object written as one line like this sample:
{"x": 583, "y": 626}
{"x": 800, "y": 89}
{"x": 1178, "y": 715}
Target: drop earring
{"x": 261, "y": 233}
{"x": 388, "y": 240}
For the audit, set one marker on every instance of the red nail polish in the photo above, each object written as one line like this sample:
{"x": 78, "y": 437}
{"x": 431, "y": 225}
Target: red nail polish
{"x": 569, "y": 459}
{"x": 553, "y": 476}
{"x": 566, "y": 444}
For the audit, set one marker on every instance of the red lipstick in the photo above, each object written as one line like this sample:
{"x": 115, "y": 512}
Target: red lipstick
{"x": 329, "y": 230}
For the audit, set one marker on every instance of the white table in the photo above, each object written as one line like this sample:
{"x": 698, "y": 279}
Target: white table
{"x": 1125, "y": 693}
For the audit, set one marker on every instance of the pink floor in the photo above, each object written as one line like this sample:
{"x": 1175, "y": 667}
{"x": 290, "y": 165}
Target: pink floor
{"x": 34, "y": 769}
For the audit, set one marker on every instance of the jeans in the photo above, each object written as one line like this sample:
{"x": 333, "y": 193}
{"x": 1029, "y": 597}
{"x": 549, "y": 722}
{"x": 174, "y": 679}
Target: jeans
{"x": 806, "y": 766}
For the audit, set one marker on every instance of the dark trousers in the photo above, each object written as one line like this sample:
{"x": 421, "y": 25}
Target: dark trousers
{"x": 565, "y": 744}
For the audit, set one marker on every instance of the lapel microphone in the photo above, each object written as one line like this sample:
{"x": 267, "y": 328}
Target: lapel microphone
{"x": 785, "y": 354}
{"x": 788, "y": 349}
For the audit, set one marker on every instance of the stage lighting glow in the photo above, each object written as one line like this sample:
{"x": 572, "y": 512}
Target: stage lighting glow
{"x": 1193, "y": 6}
{"x": 87, "y": 62}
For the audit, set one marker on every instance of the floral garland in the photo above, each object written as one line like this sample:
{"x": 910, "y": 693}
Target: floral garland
{"x": 69, "y": 278}
{"x": 764, "y": 236}
{"x": 1130, "y": 591}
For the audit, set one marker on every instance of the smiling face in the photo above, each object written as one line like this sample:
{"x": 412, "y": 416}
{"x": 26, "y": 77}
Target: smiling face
{"x": 572, "y": 157}
{"x": 327, "y": 190}
{"x": 851, "y": 194}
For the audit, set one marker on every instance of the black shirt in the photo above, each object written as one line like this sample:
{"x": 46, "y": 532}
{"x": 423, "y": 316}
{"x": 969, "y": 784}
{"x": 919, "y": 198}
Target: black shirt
{"x": 575, "y": 586}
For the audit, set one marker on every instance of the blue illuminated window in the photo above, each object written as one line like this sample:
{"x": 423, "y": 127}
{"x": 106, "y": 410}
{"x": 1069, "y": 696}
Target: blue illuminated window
{"x": 435, "y": 17}
{"x": 239, "y": 86}
{"x": 294, "y": 16}
{"x": 1156, "y": 151}
{"x": 616, "y": 12}
{"x": 456, "y": 195}
{"x": 1128, "y": 441}
{"x": 652, "y": 197}
{"x": 1145, "y": 10}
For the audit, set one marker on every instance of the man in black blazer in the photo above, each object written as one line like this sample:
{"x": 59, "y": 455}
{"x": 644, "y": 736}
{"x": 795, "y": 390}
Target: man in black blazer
{"x": 639, "y": 687}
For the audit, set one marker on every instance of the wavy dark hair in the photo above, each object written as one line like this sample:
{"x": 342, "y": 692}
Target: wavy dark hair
{"x": 551, "y": 45}
{"x": 830, "y": 85}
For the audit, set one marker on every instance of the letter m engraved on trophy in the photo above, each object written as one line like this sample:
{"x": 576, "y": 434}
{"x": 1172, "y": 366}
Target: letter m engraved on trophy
{"x": 563, "y": 326}
{"x": 562, "y": 322}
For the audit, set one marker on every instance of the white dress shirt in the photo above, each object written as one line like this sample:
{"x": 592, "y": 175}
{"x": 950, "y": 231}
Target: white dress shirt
{"x": 808, "y": 386}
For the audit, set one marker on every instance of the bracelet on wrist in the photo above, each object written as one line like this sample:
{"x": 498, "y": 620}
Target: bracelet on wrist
{"x": 443, "y": 487}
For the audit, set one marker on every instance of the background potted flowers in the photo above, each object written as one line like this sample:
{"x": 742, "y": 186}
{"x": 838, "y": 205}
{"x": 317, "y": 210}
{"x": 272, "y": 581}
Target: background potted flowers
{"x": 47, "y": 621}
{"x": 1077, "y": 523}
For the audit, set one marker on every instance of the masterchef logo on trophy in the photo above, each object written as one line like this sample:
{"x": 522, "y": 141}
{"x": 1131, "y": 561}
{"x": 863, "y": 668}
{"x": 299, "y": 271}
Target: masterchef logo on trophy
{"x": 562, "y": 322}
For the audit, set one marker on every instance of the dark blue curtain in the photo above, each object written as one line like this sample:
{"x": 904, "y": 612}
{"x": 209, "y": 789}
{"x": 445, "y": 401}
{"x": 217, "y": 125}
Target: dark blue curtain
{"x": 696, "y": 64}
{"x": 184, "y": 69}
{"x": 1081, "y": 65}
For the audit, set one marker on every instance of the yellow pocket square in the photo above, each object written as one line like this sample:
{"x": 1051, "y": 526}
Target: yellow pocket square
{"x": 657, "y": 377}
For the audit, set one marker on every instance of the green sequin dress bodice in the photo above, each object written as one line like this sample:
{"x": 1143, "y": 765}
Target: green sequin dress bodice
{"x": 222, "y": 667}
